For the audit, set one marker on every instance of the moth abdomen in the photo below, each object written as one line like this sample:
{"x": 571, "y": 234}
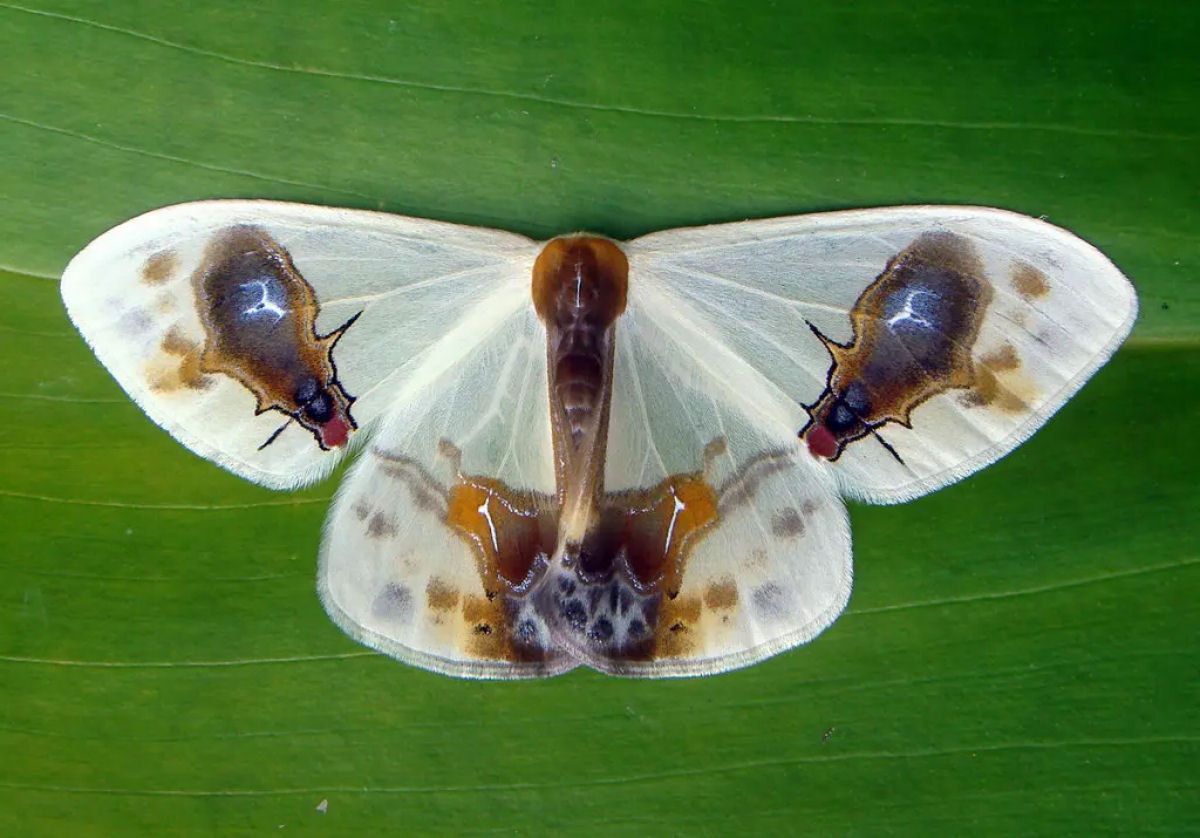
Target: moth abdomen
{"x": 579, "y": 290}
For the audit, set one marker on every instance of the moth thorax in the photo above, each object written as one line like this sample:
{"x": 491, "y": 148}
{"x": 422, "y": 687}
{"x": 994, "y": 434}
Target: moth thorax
{"x": 578, "y": 279}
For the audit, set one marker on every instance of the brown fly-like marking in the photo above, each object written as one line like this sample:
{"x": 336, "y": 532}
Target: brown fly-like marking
{"x": 259, "y": 316}
{"x": 915, "y": 328}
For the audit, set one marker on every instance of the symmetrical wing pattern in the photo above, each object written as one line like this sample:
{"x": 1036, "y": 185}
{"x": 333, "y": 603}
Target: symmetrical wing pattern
{"x": 629, "y": 457}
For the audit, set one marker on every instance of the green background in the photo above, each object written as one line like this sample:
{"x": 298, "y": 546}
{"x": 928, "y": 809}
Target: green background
{"x": 1019, "y": 656}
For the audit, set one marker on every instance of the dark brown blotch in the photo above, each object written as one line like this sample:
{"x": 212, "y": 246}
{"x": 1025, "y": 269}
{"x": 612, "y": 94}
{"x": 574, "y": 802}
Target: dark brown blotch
{"x": 948, "y": 251}
{"x": 259, "y": 317}
{"x": 914, "y": 330}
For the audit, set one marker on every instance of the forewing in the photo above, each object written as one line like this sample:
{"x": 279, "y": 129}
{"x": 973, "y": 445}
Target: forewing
{"x": 194, "y": 335}
{"x": 1051, "y": 310}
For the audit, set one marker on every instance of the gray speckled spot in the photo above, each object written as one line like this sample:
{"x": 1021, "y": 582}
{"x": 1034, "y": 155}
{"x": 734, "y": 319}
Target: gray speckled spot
{"x": 394, "y": 602}
{"x": 769, "y": 600}
{"x": 135, "y": 323}
{"x": 381, "y": 526}
{"x": 787, "y": 523}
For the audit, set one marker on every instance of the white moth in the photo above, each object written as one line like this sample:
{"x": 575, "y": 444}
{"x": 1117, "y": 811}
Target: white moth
{"x": 630, "y": 456}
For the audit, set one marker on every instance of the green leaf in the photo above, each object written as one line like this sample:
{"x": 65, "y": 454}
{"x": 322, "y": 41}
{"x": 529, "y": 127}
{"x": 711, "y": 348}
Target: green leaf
{"x": 1019, "y": 656}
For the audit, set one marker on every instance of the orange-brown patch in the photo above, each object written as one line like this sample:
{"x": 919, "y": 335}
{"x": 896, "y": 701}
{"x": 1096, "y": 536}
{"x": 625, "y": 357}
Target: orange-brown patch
{"x": 1003, "y": 359}
{"x": 183, "y": 373}
{"x": 683, "y": 507}
{"x": 684, "y": 609}
{"x": 675, "y": 642}
{"x": 174, "y": 343}
{"x": 507, "y": 529}
{"x": 988, "y": 390}
{"x": 721, "y": 594}
{"x": 677, "y": 620}
{"x": 488, "y": 638}
{"x": 160, "y": 267}
{"x": 1030, "y": 282}
{"x": 440, "y": 596}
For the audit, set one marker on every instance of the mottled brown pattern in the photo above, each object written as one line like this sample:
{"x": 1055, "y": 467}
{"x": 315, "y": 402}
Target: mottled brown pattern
{"x": 721, "y": 594}
{"x": 990, "y": 391}
{"x": 160, "y": 267}
{"x": 181, "y": 369}
{"x": 440, "y": 596}
{"x": 677, "y": 619}
{"x": 174, "y": 343}
{"x": 489, "y": 637}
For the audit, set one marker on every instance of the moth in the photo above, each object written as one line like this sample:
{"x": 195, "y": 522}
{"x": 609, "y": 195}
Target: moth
{"x": 629, "y": 456}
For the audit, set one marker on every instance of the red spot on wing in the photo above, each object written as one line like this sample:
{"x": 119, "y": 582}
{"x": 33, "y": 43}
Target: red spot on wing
{"x": 821, "y": 441}
{"x": 335, "y": 432}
